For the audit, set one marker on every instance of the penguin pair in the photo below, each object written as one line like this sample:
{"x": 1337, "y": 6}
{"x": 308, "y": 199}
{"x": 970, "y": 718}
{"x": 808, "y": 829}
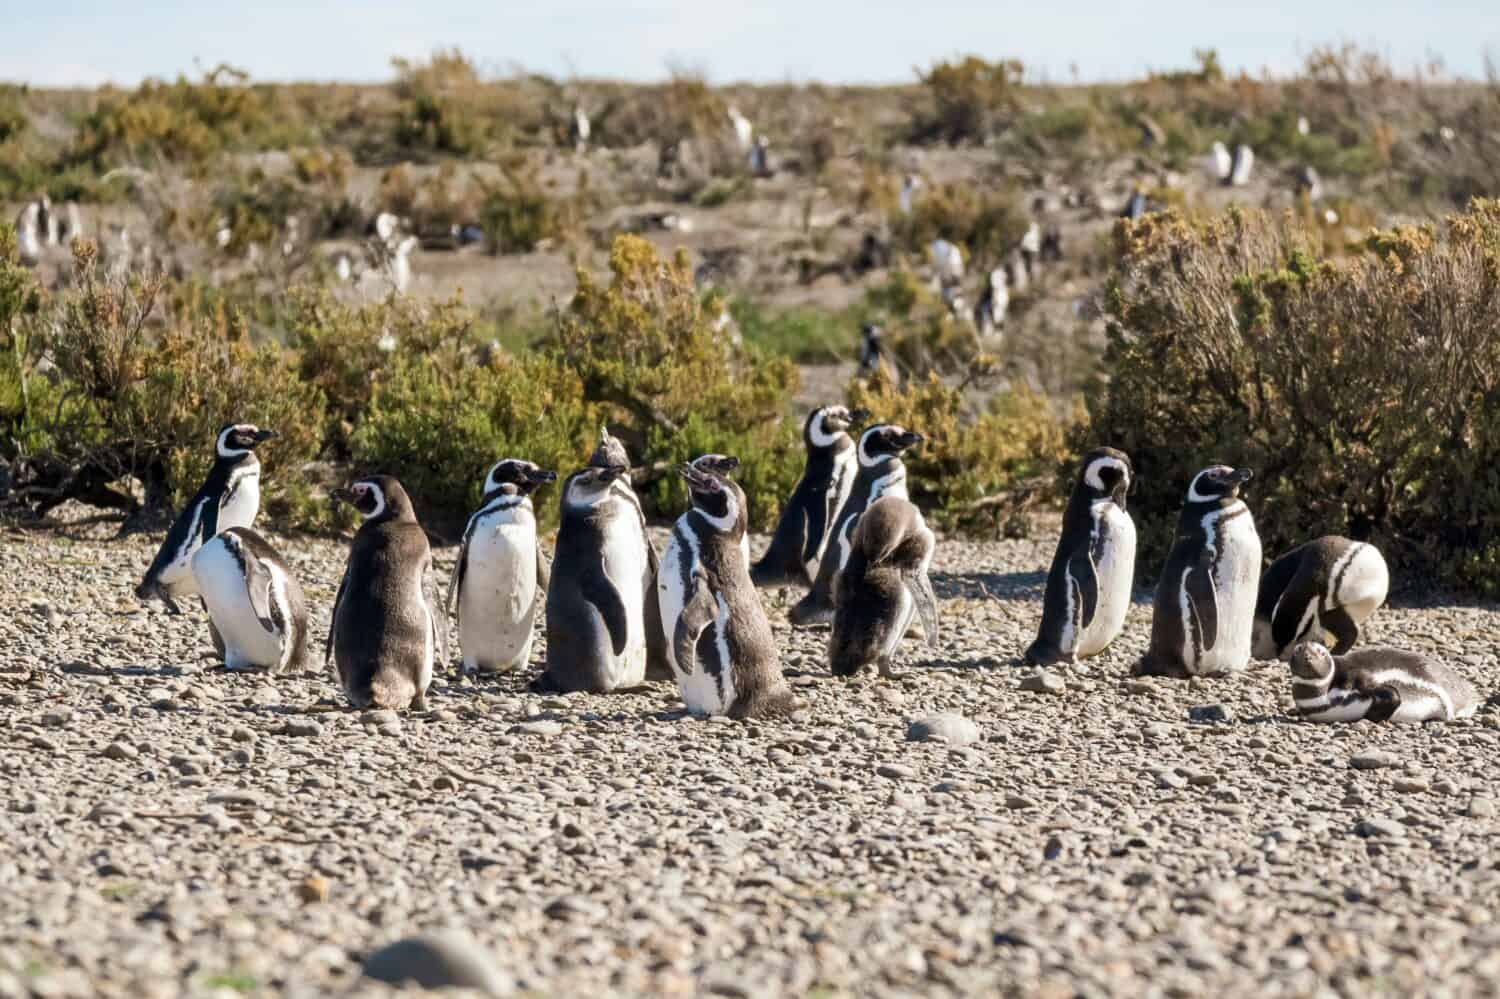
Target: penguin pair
{"x": 718, "y": 641}
{"x": 881, "y": 472}
{"x": 602, "y": 593}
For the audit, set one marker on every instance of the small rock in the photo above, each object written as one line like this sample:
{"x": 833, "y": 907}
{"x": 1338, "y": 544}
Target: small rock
{"x": 242, "y": 734}
{"x": 1207, "y": 714}
{"x": 1481, "y": 807}
{"x": 1043, "y": 682}
{"x": 313, "y": 889}
{"x": 1374, "y": 759}
{"x": 439, "y": 960}
{"x": 1018, "y": 801}
{"x": 895, "y": 771}
{"x": 1379, "y": 827}
{"x": 954, "y": 729}
{"x": 1139, "y": 687}
{"x": 302, "y": 727}
{"x": 121, "y": 751}
{"x": 442, "y": 782}
{"x": 1411, "y": 785}
{"x": 542, "y": 727}
{"x": 238, "y": 797}
{"x": 56, "y": 719}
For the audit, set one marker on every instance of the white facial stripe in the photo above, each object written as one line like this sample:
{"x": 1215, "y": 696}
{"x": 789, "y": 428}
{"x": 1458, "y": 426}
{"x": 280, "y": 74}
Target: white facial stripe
{"x": 865, "y": 457}
{"x": 379, "y": 495}
{"x": 731, "y": 513}
{"x": 820, "y": 436}
{"x": 1096, "y": 481}
{"x": 1194, "y": 496}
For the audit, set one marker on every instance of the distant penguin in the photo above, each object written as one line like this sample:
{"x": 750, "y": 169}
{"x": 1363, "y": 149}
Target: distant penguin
{"x": 500, "y": 579}
{"x": 1136, "y": 207}
{"x": 1244, "y": 161}
{"x": 1031, "y": 248}
{"x": 384, "y": 637}
{"x": 28, "y": 235}
{"x": 1321, "y": 592}
{"x": 760, "y": 158}
{"x": 1308, "y": 182}
{"x": 910, "y": 185}
{"x": 883, "y": 589}
{"x": 255, "y": 604}
{"x": 1377, "y": 684}
{"x": 399, "y": 267}
{"x": 1052, "y": 241}
{"x": 827, "y": 479}
{"x": 229, "y": 497}
{"x": 580, "y": 131}
{"x": 881, "y": 473}
{"x": 994, "y": 304}
{"x": 72, "y": 224}
{"x": 1205, "y": 603}
{"x": 1220, "y": 163}
{"x": 717, "y": 637}
{"x": 1088, "y": 587}
{"x": 947, "y": 263}
{"x": 744, "y": 132}
{"x": 1303, "y": 125}
{"x": 873, "y": 357}
{"x": 385, "y": 228}
{"x": 48, "y": 224}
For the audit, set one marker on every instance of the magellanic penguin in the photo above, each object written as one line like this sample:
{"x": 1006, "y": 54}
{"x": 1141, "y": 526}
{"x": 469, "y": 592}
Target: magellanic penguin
{"x": 881, "y": 473}
{"x": 255, "y": 605}
{"x": 827, "y": 479}
{"x": 500, "y": 579}
{"x": 1088, "y": 588}
{"x": 718, "y": 639}
{"x": 384, "y": 635}
{"x": 883, "y": 588}
{"x": 229, "y": 497}
{"x": 1319, "y": 592}
{"x": 1205, "y": 602}
{"x": 1377, "y": 684}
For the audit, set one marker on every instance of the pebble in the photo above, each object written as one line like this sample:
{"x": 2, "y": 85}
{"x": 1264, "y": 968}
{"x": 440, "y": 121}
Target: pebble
{"x": 121, "y": 751}
{"x": 543, "y": 727}
{"x": 1043, "y": 682}
{"x": 1481, "y": 807}
{"x": 1379, "y": 827}
{"x": 1374, "y": 759}
{"x": 302, "y": 727}
{"x": 954, "y": 729}
{"x": 1210, "y": 714}
{"x": 896, "y": 771}
{"x": 1410, "y": 785}
{"x": 438, "y": 961}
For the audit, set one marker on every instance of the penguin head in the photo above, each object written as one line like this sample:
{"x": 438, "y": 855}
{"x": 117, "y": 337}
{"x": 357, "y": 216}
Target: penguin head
{"x": 714, "y": 495}
{"x": 609, "y": 452}
{"x": 522, "y": 475}
{"x": 378, "y": 497}
{"x": 715, "y": 464}
{"x": 1218, "y": 483}
{"x": 237, "y": 439}
{"x": 1312, "y": 662}
{"x": 825, "y": 425}
{"x": 1108, "y": 472}
{"x": 885, "y": 440}
{"x": 590, "y": 486}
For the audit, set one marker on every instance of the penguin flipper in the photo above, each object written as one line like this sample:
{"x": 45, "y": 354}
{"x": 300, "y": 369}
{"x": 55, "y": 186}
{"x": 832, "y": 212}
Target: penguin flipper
{"x": 599, "y": 591}
{"x": 456, "y": 581}
{"x": 333, "y": 619}
{"x": 697, "y": 614}
{"x": 258, "y": 587}
{"x": 1203, "y": 602}
{"x": 815, "y": 520}
{"x": 1084, "y": 583}
{"x": 920, "y": 588}
{"x": 543, "y": 581}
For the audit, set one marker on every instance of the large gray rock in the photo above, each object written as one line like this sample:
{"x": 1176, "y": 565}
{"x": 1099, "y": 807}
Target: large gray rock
{"x": 954, "y": 729}
{"x": 440, "y": 960}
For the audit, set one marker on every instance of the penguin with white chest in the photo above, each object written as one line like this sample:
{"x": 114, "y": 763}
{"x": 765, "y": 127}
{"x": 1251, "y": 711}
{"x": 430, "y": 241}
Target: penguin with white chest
{"x": 256, "y": 609}
{"x": 1377, "y": 684}
{"x": 229, "y": 497}
{"x": 384, "y": 636}
{"x": 881, "y": 473}
{"x": 1088, "y": 587}
{"x": 500, "y": 579}
{"x": 883, "y": 589}
{"x": 1319, "y": 592}
{"x": 1205, "y": 601}
{"x": 718, "y": 639}
{"x": 827, "y": 479}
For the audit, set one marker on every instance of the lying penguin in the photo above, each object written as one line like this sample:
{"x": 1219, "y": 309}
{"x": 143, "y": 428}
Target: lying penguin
{"x": 1320, "y": 592}
{"x": 1377, "y": 684}
{"x": 718, "y": 639}
{"x": 883, "y": 589}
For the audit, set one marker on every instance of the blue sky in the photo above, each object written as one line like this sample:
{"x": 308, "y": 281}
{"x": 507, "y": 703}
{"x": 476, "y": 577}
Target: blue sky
{"x": 90, "y": 42}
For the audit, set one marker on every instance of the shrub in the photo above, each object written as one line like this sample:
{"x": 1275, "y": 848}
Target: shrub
{"x": 986, "y": 221}
{"x": 966, "y": 99}
{"x": 515, "y": 211}
{"x": 1362, "y": 389}
{"x": 439, "y": 105}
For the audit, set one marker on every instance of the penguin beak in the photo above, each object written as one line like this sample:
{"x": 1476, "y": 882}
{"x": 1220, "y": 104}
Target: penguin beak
{"x": 1241, "y": 475}
{"x": 610, "y": 473}
{"x": 858, "y": 416}
{"x": 910, "y": 439}
{"x": 261, "y": 436}
{"x": 342, "y": 495}
{"x": 540, "y": 475}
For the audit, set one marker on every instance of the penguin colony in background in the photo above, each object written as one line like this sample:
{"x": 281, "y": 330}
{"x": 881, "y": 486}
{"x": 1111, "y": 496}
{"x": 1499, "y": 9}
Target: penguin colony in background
{"x": 616, "y": 616}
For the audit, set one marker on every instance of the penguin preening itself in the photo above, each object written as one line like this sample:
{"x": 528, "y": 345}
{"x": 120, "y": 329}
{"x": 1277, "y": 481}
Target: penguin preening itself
{"x": 256, "y": 610}
{"x": 229, "y": 497}
{"x": 827, "y": 478}
{"x": 718, "y": 639}
{"x": 384, "y": 635}
{"x": 1320, "y": 592}
{"x": 1205, "y": 602}
{"x": 1377, "y": 684}
{"x": 881, "y": 473}
{"x": 883, "y": 588}
{"x": 1088, "y": 587}
{"x": 500, "y": 579}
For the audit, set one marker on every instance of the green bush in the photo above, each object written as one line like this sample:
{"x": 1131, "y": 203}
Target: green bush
{"x": 967, "y": 99}
{"x": 517, "y": 213}
{"x": 986, "y": 221}
{"x": 1361, "y": 389}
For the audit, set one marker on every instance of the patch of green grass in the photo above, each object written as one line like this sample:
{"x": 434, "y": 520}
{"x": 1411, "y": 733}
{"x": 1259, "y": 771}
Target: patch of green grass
{"x": 807, "y": 336}
{"x": 719, "y": 192}
{"x": 120, "y": 891}
{"x": 239, "y": 981}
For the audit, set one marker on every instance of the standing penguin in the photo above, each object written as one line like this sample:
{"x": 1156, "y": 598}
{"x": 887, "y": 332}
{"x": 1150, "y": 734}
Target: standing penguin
{"x": 827, "y": 478}
{"x": 881, "y": 473}
{"x": 1320, "y": 592}
{"x": 1205, "y": 602}
{"x": 883, "y": 588}
{"x": 255, "y": 605}
{"x": 500, "y": 578}
{"x": 1088, "y": 588}
{"x": 384, "y": 635}
{"x": 229, "y": 497}
{"x": 1377, "y": 684}
{"x": 596, "y": 600}
{"x": 718, "y": 639}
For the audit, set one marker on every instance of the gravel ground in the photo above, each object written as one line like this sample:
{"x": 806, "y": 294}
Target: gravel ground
{"x": 171, "y": 829}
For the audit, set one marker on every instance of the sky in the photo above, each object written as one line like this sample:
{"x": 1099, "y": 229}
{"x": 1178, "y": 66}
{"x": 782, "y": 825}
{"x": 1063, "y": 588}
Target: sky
{"x": 89, "y": 42}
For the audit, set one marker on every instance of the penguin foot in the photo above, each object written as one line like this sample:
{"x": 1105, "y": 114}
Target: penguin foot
{"x": 887, "y": 667}
{"x": 1153, "y": 665}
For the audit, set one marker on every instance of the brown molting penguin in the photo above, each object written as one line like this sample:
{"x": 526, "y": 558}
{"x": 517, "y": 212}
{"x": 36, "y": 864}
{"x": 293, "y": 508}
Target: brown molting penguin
{"x": 883, "y": 588}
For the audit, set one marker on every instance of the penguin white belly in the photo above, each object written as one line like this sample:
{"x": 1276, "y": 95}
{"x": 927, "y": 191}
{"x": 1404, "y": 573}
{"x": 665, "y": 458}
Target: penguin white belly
{"x": 1236, "y": 576}
{"x": 497, "y": 606}
{"x": 624, "y": 560}
{"x": 669, "y": 588}
{"x": 1361, "y": 585}
{"x": 242, "y": 502}
{"x": 844, "y": 473}
{"x": 1114, "y": 572}
{"x": 702, "y": 692}
{"x": 221, "y": 583}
